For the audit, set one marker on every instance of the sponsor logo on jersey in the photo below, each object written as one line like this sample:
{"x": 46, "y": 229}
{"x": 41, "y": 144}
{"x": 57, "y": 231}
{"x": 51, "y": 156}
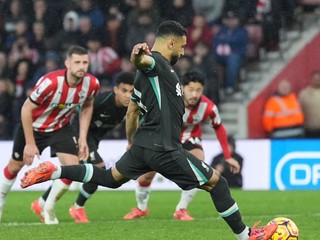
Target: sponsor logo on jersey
{"x": 178, "y": 90}
{"x": 64, "y": 105}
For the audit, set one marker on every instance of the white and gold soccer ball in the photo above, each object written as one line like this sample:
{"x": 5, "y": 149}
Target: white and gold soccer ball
{"x": 287, "y": 229}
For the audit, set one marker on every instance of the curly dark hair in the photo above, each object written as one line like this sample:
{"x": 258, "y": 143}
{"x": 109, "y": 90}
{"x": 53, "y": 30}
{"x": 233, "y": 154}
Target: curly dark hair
{"x": 193, "y": 76}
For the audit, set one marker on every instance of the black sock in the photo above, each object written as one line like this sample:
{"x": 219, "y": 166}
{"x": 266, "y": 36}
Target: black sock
{"x": 87, "y": 190}
{"x": 223, "y": 202}
{"x": 46, "y": 194}
{"x": 82, "y": 173}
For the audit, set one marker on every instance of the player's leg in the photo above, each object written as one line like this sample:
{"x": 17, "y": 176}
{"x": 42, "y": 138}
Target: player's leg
{"x": 142, "y": 196}
{"x": 199, "y": 174}
{"x": 63, "y": 145}
{"x": 85, "y": 173}
{"x": 7, "y": 179}
{"x": 228, "y": 209}
{"x": 77, "y": 210}
{"x": 9, "y": 174}
{"x": 58, "y": 188}
{"x": 87, "y": 190}
{"x": 181, "y": 213}
{"x": 226, "y": 206}
{"x": 143, "y": 190}
{"x": 130, "y": 166}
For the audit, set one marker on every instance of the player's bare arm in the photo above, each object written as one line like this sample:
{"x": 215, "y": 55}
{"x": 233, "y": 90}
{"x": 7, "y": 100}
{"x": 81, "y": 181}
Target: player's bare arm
{"x": 30, "y": 150}
{"x": 222, "y": 137}
{"x": 223, "y": 140}
{"x": 132, "y": 120}
{"x": 84, "y": 121}
{"x": 140, "y": 56}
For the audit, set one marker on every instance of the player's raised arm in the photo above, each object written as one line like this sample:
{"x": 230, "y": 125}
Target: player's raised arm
{"x": 140, "y": 56}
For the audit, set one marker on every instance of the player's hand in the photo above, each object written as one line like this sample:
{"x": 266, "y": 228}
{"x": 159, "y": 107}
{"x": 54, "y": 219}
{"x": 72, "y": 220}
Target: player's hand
{"x": 29, "y": 152}
{"x": 141, "y": 48}
{"x": 83, "y": 150}
{"x": 234, "y": 165}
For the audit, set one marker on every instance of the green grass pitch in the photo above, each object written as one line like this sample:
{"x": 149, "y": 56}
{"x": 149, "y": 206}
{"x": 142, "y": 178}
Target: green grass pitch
{"x": 106, "y": 209}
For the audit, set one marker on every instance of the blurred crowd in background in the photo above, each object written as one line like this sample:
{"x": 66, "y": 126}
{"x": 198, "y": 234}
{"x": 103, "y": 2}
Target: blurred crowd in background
{"x": 34, "y": 35}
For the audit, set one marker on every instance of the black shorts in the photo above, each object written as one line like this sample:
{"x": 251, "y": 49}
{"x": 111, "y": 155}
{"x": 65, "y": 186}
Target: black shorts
{"x": 179, "y": 166}
{"x": 192, "y": 143}
{"x": 62, "y": 140}
{"x": 93, "y": 144}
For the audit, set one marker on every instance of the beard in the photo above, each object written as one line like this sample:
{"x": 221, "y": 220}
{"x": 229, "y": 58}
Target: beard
{"x": 77, "y": 76}
{"x": 80, "y": 73}
{"x": 174, "y": 60}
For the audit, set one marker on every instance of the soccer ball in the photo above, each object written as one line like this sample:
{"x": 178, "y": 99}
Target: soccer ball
{"x": 287, "y": 229}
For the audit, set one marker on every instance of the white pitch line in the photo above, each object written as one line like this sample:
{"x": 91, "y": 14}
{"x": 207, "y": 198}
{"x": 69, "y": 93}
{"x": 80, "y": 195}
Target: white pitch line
{"x": 16, "y": 224}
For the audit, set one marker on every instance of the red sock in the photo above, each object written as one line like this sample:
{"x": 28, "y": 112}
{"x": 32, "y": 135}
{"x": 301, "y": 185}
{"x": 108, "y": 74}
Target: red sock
{"x": 8, "y": 174}
{"x": 144, "y": 184}
{"x": 66, "y": 181}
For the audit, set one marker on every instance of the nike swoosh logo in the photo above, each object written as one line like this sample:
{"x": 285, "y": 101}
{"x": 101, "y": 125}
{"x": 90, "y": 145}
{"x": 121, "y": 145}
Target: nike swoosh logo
{"x": 104, "y": 115}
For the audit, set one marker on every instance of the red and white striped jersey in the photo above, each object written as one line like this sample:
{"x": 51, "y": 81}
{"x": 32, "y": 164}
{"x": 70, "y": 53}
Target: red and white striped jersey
{"x": 104, "y": 61}
{"x": 205, "y": 110}
{"x": 56, "y": 100}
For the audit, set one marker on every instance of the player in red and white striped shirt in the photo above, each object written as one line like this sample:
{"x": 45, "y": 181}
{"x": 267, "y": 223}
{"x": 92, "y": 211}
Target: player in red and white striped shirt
{"x": 198, "y": 109}
{"x": 45, "y": 118}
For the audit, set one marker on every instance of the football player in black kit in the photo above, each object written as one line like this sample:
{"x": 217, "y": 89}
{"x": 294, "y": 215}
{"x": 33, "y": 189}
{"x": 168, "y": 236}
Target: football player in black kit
{"x": 109, "y": 110}
{"x": 155, "y": 145}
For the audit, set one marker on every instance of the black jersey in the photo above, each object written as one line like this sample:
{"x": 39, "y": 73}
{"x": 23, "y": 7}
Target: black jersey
{"x": 158, "y": 93}
{"x": 106, "y": 115}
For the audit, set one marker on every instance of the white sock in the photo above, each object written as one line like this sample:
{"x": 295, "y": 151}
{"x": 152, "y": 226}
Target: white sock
{"x": 142, "y": 197}
{"x": 244, "y": 235}
{"x": 76, "y": 206}
{"x": 58, "y": 188}
{"x": 56, "y": 174}
{"x": 5, "y": 187}
{"x": 41, "y": 202}
{"x": 186, "y": 198}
